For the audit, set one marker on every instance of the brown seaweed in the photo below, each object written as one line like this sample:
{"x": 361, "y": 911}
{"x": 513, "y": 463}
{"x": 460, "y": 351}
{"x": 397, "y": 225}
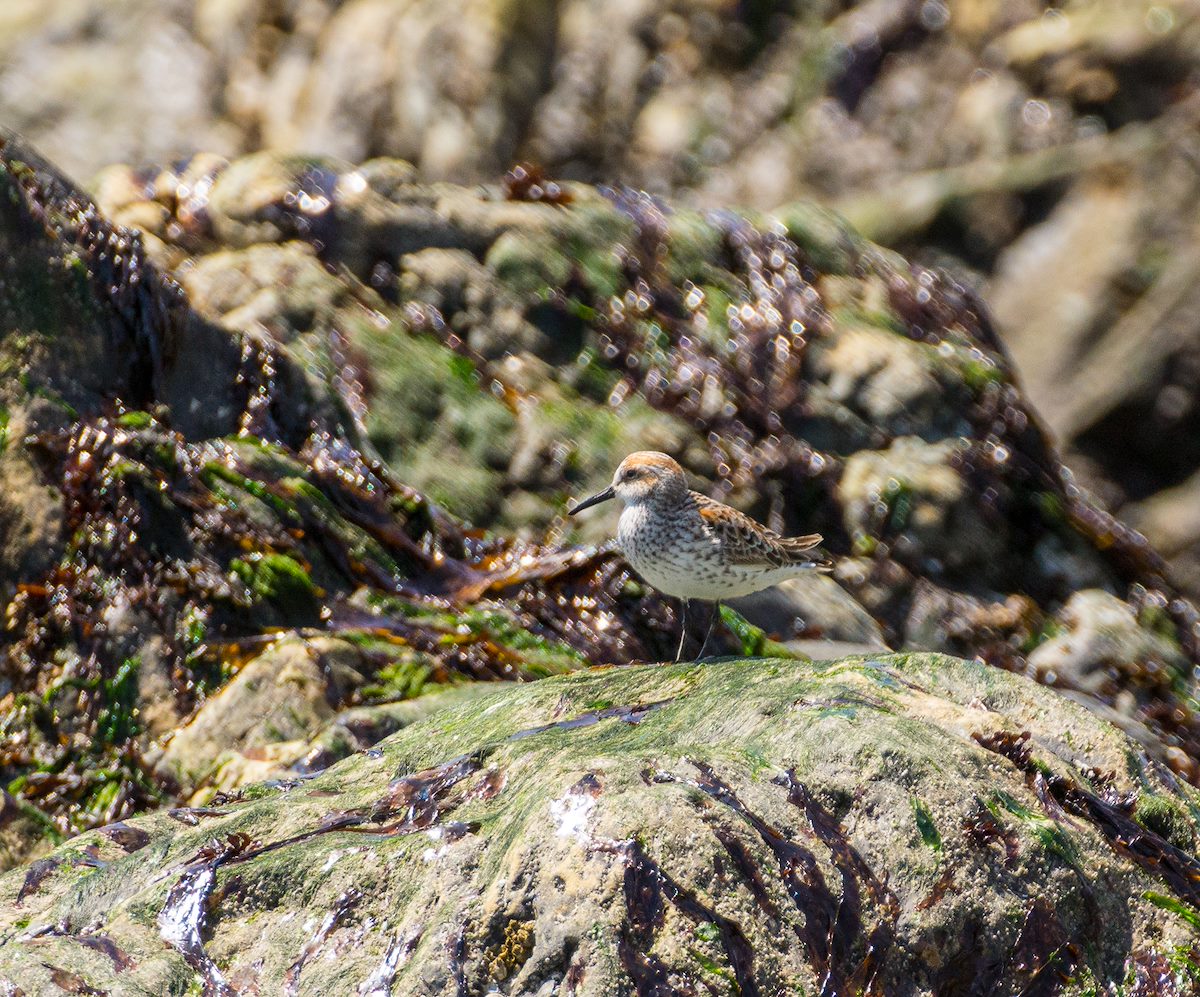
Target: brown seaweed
{"x": 72, "y": 983}
{"x": 128, "y": 837}
{"x": 184, "y": 916}
{"x": 648, "y": 888}
{"x": 846, "y": 956}
{"x": 1146, "y": 848}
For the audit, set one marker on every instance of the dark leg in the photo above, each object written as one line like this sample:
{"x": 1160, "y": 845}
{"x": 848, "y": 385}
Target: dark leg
{"x": 712, "y": 622}
{"x": 683, "y": 611}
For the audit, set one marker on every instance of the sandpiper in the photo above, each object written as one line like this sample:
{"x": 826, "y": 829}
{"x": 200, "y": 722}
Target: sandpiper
{"x": 693, "y": 547}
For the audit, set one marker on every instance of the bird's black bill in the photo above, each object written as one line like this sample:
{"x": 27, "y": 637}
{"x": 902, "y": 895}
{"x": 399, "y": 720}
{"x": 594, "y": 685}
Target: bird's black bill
{"x": 596, "y": 499}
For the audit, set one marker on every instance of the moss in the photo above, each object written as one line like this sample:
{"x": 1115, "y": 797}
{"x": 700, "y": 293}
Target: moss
{"x": 463, "y": 368}
{"x": 710, "y": 965}
{"x": 52, "y": 395}
{"x": 194, "y": 624}
{"x": 863, "y": 544}
{"x": 1185, "y": 963}
{"x": 594, "y": 379}
{"x": 315, "y": 509}
{"x": 717, "y": 301}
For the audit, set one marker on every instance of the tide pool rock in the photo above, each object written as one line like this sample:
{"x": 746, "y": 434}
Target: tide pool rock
{"x": 902, "y": 824}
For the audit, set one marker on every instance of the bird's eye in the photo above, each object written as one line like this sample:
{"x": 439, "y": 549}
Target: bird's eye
{"x": 629, "y": 474}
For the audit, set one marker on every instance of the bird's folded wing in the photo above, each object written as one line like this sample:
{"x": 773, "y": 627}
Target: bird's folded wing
{"x": 746, "y": 542}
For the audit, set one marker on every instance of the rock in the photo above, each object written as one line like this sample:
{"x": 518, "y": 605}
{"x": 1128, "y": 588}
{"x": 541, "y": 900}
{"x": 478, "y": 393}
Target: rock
{"x": 895, "y": 386}
{"x": 912, "y": 495}
{"x": 1033, "y": 149}
{"x": 280, "y": 696}
{"x": 912, "y": 821}
{"x": 370, "y": 724}
{"x": 811, "y": 606}
{"x": 23, "y": 835}
{"x": 1096, "y": 643}
{"x": 1090, "y": 239}
{"x": 158, "y": 709}
{"x": 273, "y": 423}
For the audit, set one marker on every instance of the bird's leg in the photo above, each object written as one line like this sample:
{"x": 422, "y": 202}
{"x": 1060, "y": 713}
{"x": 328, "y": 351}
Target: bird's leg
{"x": 682, "y": 627}
{"x": 712, "y": 622}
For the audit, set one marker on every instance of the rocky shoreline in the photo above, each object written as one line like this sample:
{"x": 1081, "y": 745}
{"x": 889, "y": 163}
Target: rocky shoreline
{"x": 287, "y": 443}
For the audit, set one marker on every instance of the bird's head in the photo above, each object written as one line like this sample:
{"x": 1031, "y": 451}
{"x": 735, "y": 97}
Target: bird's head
{"x": 645, "y": 476}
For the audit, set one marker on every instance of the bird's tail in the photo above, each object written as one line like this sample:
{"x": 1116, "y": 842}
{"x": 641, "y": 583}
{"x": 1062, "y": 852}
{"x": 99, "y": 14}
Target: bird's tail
{"x": 804, "y": 551}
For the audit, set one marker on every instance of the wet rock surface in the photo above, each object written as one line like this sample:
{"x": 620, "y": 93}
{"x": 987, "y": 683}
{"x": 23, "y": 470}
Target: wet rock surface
{"x": 893, "y": 825}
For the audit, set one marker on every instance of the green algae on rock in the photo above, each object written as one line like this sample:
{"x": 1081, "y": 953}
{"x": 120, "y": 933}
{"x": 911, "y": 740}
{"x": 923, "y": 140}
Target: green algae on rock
{"x": 760, "y": 824}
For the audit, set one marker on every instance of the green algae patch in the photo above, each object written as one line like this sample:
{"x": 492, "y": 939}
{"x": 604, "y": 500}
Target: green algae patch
{"x": 828, "y": 241}
{"x": 528, "y": 654}
{"x": 438, "y": 427}
{"x": 135, "y": 420}
{"x": 1188, "y": 914}
{"x": 277, "y": 578}
{"x": 754, "y": 640}
{"x": 621, "y": 811}
{"x": 1165, "y": 817}
{"x": 584, "y": 244}
{"x": 926, "y": 824}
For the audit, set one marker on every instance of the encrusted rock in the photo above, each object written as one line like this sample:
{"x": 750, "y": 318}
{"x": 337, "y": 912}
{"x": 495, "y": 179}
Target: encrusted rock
{"x": 280, "y": 696}
{"x": 320, "y": 370}
{"x": 1096, "y": 642}
{"x": 910, "y": 824}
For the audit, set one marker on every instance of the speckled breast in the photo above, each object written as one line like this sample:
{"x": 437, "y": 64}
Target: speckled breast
{"x": 681, "y": 561}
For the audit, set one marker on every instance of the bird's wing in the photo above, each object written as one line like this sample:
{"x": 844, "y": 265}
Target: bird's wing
{"x": 746, "y": 542}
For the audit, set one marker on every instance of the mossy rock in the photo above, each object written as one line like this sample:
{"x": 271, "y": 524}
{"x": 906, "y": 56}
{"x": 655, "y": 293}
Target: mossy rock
{"x": 759, "y": 826}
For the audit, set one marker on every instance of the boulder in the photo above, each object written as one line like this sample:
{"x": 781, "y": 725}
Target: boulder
{"x": 282, "y": 696}
{"x": 813, "y": 606}
{"x": 904, "y": 823}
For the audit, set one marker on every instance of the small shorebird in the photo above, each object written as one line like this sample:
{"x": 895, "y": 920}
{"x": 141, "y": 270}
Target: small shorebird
{"x": 693, "y": 547}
